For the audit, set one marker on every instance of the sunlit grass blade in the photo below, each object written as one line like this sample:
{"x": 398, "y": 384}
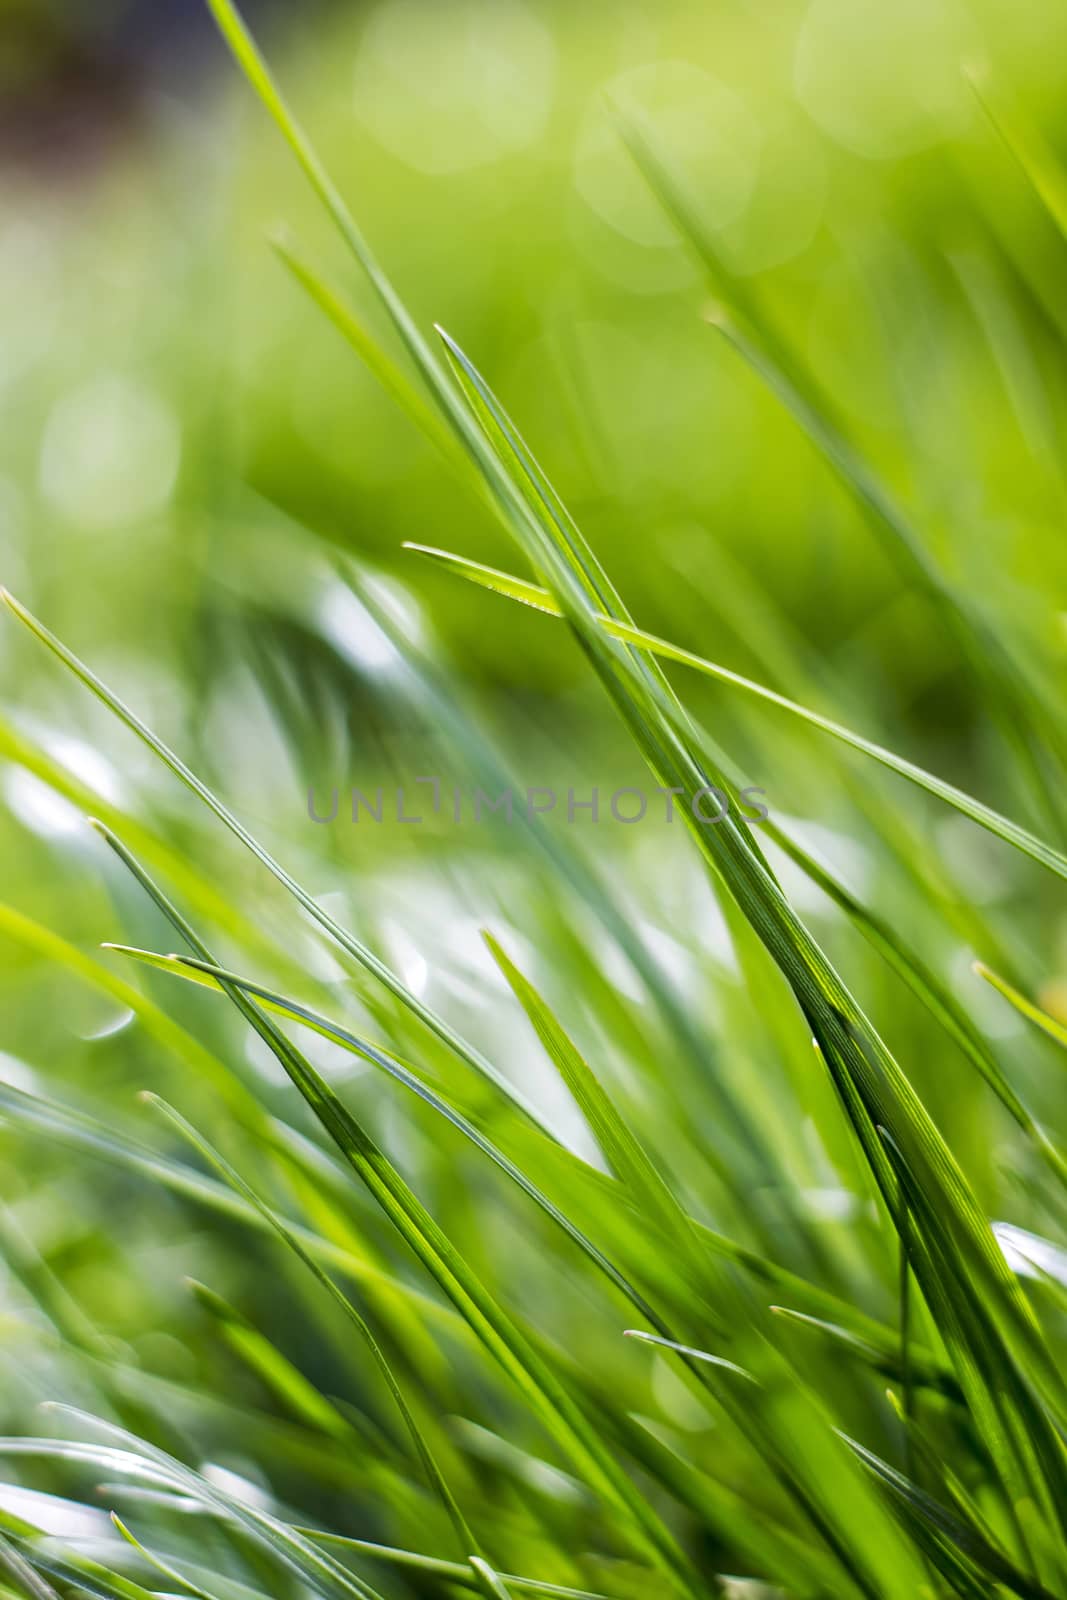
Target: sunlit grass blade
{"x": 1026, "y": 1008}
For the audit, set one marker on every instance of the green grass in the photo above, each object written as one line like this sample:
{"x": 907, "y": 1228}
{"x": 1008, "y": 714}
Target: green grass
{"x": 340, "y": 1302}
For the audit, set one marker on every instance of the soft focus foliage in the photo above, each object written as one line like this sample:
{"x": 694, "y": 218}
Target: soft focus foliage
{"x": 776, "y": 297}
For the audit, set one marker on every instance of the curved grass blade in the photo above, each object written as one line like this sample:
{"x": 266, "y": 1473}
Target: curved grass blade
{"x": 184, "y": 1584}
{"x": 690, "y": 1352}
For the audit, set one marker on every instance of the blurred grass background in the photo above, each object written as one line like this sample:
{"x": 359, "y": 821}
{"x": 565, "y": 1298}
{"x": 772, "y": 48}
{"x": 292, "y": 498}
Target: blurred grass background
{"x": 187, "y": 450}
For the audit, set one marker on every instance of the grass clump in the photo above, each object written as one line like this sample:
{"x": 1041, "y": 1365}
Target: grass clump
{"x": 412, "y": 1376}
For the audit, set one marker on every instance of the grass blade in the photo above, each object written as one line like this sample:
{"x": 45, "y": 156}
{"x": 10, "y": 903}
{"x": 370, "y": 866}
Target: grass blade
{"x": 536, "y": 596}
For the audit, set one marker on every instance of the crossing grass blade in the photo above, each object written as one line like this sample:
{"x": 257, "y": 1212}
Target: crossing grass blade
{"x": 24, "y": 1576}
{"x": 1026, "y": 1008}
{"x": 946, "y": 1537}
{"x": 933, "y": 993}
{"x": 223, "y": 980}
{"x": 541, "y": 600}
{"x": 73, "y": 1569}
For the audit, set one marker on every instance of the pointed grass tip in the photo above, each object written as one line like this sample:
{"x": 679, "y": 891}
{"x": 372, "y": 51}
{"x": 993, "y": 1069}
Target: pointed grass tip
{"x": 717, "y": 315}
{"x": 446, "y": 338}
